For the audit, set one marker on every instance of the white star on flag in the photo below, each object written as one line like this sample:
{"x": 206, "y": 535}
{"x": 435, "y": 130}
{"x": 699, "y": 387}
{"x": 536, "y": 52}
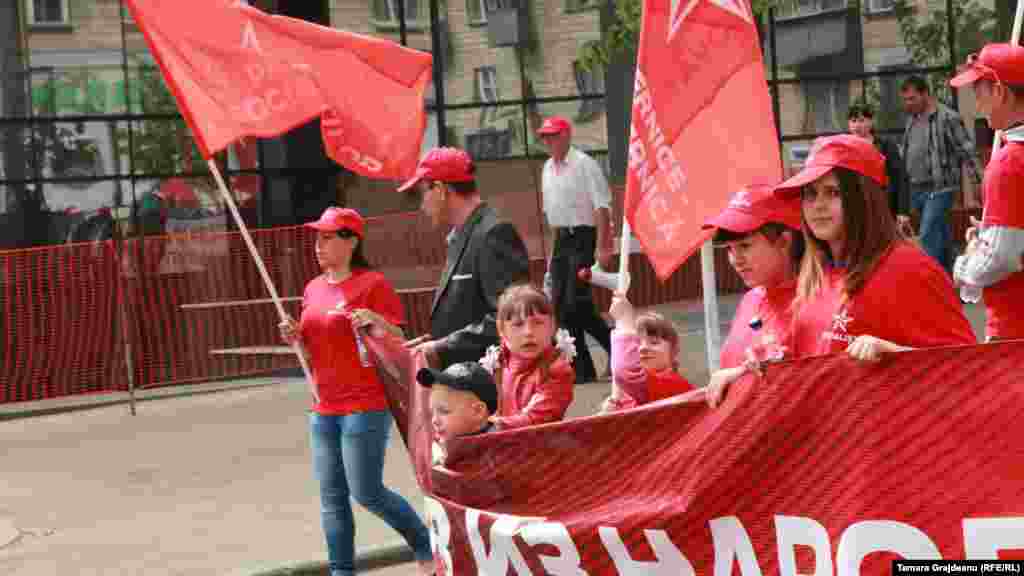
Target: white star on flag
{"x": 737, "y": 7}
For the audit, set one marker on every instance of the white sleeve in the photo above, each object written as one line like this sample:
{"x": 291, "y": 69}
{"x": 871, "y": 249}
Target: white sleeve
{"x": 600, "y": 194}
{"x": 999, "y": 255}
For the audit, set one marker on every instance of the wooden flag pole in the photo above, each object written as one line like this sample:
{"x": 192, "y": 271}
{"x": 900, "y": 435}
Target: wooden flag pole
{"x": 297, "y": 346}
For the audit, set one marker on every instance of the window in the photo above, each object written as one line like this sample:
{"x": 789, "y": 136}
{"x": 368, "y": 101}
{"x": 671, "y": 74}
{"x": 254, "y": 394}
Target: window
{"x": 477, "y": 11}
{"x": 801, "y": 8}
{"x": 385, "y": 12}
{"x": 47, "y": 12}
{"x": 486, "y": 80}
{"x": 578, "y": 5}
{"x": 826, "y": 106}
{"x": 876, "y": 6}
{"x": 589, "y": 82}
{"x": 485, "y": 87}
{"x": 489, "y": 143}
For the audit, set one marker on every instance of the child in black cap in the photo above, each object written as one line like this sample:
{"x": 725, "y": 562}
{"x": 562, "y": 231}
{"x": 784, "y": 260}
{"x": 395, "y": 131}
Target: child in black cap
{"x": 462, "y": 399}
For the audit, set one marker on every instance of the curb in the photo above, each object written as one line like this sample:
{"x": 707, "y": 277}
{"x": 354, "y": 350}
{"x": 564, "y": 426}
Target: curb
{"x": 367, "y": 559}
{"x": 122, "y": 399}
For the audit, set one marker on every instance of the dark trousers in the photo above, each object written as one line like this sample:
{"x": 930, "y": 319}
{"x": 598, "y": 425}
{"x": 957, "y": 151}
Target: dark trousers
{"x": 574, "y": 303}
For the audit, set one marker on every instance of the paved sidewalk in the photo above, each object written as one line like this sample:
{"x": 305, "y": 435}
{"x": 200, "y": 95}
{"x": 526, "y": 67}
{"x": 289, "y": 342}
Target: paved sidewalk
{"x": 197, "y": 484}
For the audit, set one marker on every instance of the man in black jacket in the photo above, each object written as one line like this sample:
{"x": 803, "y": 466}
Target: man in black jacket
{"x": 485, "y": 256}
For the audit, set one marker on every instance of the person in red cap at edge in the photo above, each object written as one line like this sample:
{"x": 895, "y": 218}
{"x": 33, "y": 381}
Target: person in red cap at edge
{"x": 992, "y": 260}
{"x": 350, "y": 424}
{"x": 485, "y": 256}
{"x": 765, "y": 244}
{"x": 862, "y": 287}
{"x": 577, "y": 204}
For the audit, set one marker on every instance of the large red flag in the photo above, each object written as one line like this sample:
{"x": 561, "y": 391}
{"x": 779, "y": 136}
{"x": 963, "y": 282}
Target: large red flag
{"x": 236, "y": 71}
{"x": 702, "y": 123}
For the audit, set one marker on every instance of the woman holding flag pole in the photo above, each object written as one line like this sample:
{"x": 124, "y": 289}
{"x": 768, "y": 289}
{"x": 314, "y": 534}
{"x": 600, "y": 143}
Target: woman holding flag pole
{"x": 765, "y": 245}
{"x": 350, "y": 423}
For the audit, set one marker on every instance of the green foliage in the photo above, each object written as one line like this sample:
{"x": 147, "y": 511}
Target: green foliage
{"x": 160, "y": 146}
{"x": 927, "y": 36}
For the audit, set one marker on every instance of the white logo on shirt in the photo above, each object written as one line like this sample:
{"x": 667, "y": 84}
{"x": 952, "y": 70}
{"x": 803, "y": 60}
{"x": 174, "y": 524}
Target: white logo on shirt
{"x": 840, "y": 327}
{"x": 741, "y": 200}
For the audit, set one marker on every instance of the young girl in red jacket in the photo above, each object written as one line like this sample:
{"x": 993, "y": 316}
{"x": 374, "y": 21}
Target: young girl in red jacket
{"x": 534, "y": 377}
{"x": 644, "y": 352}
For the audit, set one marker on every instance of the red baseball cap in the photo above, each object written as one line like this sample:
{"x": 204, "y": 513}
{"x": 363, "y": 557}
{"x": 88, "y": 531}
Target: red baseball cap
{"x": 554, "y": 125}
{"x": 1003, "y": 63}
{"x": 754, "y": 206}
{"x": 442, "y": 164}
{"x": 334, "y": 219}
{"x": 830, "y": 152}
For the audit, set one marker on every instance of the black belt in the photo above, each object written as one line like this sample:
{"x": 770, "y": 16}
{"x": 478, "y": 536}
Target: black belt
{"x": 573, "y": 230}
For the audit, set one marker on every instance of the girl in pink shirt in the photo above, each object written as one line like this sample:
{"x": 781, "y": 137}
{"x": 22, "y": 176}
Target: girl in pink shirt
{"x": 863, "y": 289}
{"x": 534, "y": 377}
{"x": 644, "y": 361}
{"x": 765, "y": 244}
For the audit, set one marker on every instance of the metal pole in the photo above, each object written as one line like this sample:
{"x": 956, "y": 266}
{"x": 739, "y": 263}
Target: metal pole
{"x": 297, "y": 346}
{"x": 712, "y": 327}
{"x": 1015, "y": 40}
{"x": 951, "y": 33}
{"x": 118, "y": 247}
{"x": 538, "y": 191}
{"x": 776, "y": 105}
{"x": 403, "y": 31}
{"x": 438, "y": 52}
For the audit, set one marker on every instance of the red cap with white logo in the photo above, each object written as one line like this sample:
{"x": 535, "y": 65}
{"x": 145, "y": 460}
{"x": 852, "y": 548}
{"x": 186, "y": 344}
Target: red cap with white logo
{"x": 754, "y": 206}
{"x": 831, "y": 152}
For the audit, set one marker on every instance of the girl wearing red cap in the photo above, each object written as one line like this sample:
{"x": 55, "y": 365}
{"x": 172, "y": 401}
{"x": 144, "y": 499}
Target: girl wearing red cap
{"x": 350, "y": 421}
{"x": 863, "y": 288}
{"x": 762, "y": 235}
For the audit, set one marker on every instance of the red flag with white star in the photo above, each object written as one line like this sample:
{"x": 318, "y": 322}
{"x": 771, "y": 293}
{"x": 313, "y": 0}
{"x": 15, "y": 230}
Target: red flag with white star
{"x": 702, "y": 123}
{"x": 236, "y": 71}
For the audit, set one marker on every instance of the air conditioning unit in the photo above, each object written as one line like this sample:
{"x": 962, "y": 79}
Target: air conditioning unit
{"x": 507, "y": 22}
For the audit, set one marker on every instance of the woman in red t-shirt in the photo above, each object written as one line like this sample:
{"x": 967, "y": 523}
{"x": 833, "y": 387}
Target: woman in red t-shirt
{"x": 350, "y": 421}
{"x": 862, "y": 287}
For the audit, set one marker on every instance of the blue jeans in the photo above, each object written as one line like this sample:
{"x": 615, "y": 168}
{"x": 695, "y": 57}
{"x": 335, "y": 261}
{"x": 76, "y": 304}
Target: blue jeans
{"x": 935, "y": 236}
{"x": 348, "y": 459}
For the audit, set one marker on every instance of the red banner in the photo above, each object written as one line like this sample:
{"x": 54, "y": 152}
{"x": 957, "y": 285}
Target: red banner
{"x": 701, "y": 126}
{"x": 823, "y": 467}
{"x": 236, "y": 71}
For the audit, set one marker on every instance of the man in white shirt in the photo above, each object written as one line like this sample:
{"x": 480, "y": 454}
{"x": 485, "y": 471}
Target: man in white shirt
{"x": 577, "y": 203}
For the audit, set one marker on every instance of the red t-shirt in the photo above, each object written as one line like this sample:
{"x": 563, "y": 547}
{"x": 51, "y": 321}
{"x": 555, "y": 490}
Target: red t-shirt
{"x": 345, "y": 382}
{"x": 774, "y": 307}
{"x": 908, "y": 300}
{"x": 1003, "y": 190}
{"x": 661, "y": 385}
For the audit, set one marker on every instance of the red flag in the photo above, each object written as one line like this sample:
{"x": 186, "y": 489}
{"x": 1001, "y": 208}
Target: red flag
{"x": 236, "y": 71}
{"x": 701, "y": 126}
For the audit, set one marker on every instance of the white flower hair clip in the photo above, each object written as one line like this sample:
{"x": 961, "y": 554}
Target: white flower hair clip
{"x": 490, "y": 359}
{"x": 565, "y": 344}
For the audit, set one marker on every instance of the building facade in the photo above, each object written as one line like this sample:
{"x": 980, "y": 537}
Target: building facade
{"x": 88, "y": 126}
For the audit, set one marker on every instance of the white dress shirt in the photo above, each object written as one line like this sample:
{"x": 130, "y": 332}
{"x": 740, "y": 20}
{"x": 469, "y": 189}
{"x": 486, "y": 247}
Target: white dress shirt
{"x": 573, "y": 190}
